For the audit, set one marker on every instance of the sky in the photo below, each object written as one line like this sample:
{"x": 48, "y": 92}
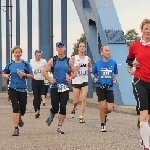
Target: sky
{"x": 130, "y": 14}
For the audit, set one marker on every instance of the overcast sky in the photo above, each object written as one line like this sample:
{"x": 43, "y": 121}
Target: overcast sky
{"x": 130, "y": 13}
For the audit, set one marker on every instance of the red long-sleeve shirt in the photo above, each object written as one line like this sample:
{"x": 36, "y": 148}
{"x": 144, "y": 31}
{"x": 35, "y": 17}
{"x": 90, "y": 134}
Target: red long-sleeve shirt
{"x": 142, "y": 55}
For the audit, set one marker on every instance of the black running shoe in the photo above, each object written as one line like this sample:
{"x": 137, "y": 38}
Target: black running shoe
{"x": 49, "y": 120}
{"x": 103, "y": 129}
{"x": 16, "y": 132}
{"x": 20, "y": 123}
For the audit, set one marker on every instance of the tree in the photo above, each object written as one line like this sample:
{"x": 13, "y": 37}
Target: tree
{"x": 75, "y": 47}
{"x": 131, "y": 36}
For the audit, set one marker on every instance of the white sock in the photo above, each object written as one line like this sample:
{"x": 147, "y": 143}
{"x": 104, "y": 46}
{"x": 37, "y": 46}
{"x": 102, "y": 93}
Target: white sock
{"x": 144, "y": 127}
{"x": 81, "y": 117}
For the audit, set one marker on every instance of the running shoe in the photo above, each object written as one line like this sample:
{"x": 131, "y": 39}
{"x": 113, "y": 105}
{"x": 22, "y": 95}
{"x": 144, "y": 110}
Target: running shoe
{"x": 59, "y": 131}
{"x": 103, "y": 129}
{"x": 49, "y": 120}
{"x": 16, "y": 132}
{"x": 73, "y": 113}
{"x": 44, "y": 104}
{"x": 20, "y": 123}
{"x": 37, "y": 114}
{"x": 81, "y": 120}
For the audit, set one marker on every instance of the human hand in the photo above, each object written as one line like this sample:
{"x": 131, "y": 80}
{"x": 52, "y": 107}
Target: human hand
{"x": 136, "y": 64}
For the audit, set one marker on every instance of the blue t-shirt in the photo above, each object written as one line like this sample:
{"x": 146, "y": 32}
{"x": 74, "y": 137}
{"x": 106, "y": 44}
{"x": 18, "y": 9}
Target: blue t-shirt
{"x": 15, "y": 80}
{"x": 105, "y": 72}
{"x": 61, "y": 69}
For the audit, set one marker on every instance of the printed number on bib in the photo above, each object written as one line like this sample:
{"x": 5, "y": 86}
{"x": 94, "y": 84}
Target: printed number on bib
{"x": 62, "y": 87}
{"x": 82, "y": 73}
{"x": 38, "y": 72}
{"x": 105, "y": 73}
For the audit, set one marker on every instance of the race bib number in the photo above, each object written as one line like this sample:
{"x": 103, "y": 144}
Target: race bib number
{"x": 82, "y": 73}
{"x": 106, "y": 74}
{"x": 38, "y": 72}
{"x": 62, "y": 87}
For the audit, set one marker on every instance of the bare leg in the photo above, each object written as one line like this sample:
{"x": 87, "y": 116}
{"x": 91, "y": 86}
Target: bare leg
{"x": 102, "y": 111}
{"x": 16, "y": 119}
{"x": 84, "y": 96}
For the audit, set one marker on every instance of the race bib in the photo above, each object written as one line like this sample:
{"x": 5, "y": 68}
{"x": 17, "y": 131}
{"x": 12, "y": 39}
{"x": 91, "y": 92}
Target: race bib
{"x": 106, "y": 74}
{"x": 38, "y": 72}
{"x": 62, "y": 87}
{"x": 82, "y": 73}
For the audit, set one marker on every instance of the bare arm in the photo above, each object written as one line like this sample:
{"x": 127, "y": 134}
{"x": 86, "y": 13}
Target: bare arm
{"x": 129, "y": 69}
{"x": 115, "y": 78}
{"x": 74, "y": 72}
{"x": 47, "y": 69}
{"x": 90, "y": 65}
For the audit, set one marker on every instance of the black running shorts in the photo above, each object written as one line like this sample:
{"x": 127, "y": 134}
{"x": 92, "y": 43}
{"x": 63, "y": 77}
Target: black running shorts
{"x": 142, "y": 91}
{"x": 136, "y": 98}
{"x": 107, "y": 95}
{"x": 79, "y": 86}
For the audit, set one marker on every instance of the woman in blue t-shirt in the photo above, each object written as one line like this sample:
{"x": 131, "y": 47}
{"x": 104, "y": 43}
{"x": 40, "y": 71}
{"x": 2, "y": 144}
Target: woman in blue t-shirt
{"x": 17, "y": 72}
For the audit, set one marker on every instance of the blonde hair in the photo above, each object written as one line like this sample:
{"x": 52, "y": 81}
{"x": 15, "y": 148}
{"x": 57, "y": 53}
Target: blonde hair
{"x": 145, "y": 21}
{"x": 16, "y": 47}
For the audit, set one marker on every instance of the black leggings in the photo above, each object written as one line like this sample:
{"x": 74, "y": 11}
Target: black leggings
{"x": 59, "y": 98}
{"x": 18, "y": 100}
{"x": 37, "y": 86}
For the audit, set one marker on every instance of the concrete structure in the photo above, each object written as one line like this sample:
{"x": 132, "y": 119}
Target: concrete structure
{"x": 102, "y": 27}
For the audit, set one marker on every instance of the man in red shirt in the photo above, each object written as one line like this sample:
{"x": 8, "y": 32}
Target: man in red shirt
{"x": 141, "y": 51}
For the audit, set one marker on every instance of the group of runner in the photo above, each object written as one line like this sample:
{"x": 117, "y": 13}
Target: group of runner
{"x": 104, "y": 73}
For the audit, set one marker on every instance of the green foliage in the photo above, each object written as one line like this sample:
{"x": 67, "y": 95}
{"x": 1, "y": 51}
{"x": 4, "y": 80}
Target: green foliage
{"x": 131, "y": 36}
{"x": 75, "y": 45}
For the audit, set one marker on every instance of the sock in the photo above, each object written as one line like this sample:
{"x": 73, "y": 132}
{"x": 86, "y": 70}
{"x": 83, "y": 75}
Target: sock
{"x": 81, "y": 117}
{"x": 144, "y": 127}
{"x": 16, "y": 128}
{"x": 102, "y": 124}
{"x": 60, "y": 126}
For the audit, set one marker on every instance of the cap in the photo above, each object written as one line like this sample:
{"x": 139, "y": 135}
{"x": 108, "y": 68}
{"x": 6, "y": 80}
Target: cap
{"x": 60, "y": 43}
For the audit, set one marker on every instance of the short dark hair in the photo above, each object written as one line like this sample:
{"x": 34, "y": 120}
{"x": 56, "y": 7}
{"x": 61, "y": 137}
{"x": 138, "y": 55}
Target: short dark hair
{"x": 38, "y": 51}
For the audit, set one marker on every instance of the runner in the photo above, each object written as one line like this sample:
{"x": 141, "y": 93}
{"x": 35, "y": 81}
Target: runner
{"x": 45, "y": 90}
{"x": 80, "y": 83}
{"x": 16, "y": 72}
{"x": 141, "y": 51}
{"x": 59, "y": 65}
{"x": 37, "y": 65}
{"x": 104, "y": 74}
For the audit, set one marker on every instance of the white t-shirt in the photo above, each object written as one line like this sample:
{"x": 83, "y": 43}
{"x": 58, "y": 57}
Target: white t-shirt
{"x": 37, "y": 68}
{"x": 82, "y": 72}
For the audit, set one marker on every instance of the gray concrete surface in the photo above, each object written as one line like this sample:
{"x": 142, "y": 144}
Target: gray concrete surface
{"x": 36, "y": 135}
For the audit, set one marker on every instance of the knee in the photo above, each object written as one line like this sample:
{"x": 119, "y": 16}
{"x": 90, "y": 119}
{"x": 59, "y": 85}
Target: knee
{"x": 102, "y": 107}
{"x": 76, "y": 101}
{"x": 22, "y": 111}
{"x": 109, "y": 109}
{"x": 62, "y": 110}
{"x": 54, "y": 110}
{"x": 16, "y": 109}
{"x": 84, "y": 99}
